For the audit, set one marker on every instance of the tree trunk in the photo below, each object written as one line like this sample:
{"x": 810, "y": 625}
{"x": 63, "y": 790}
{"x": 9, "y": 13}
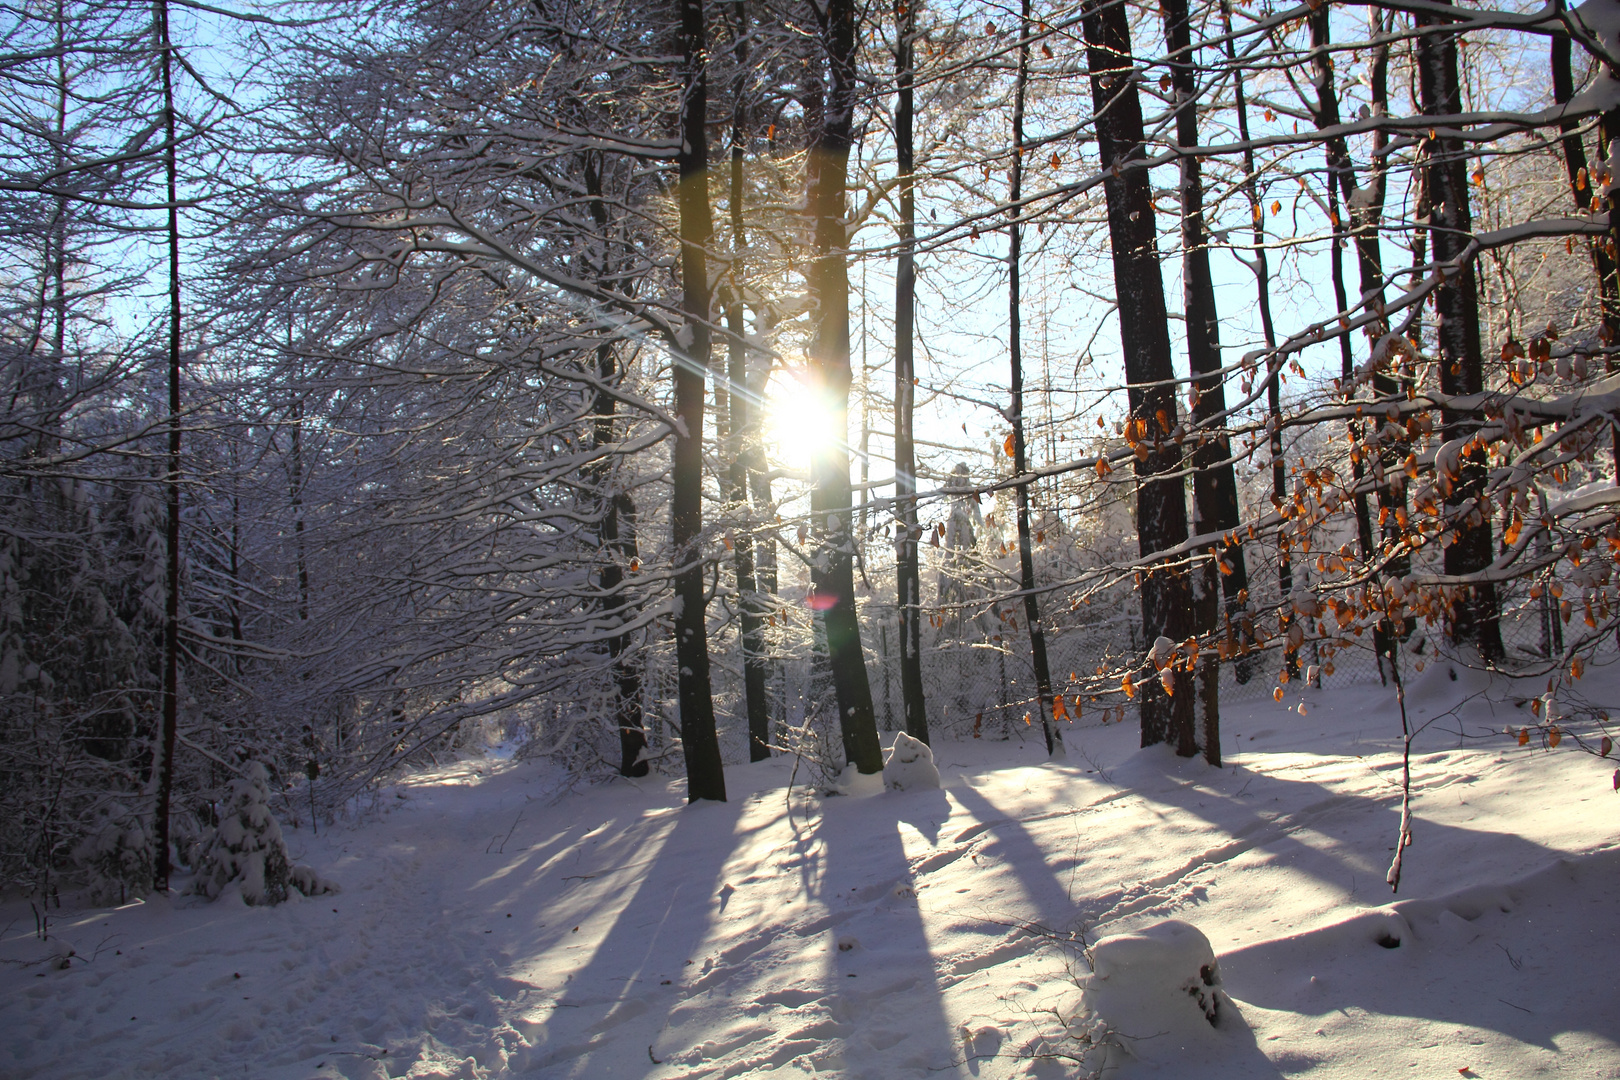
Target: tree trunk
{"x": 1026, "y": 555}
{"x": 1215, "y": 499}
{"x": 907, "y": 576}
{"x": 1473, "y": 615}
{"x": 1584, "y": 190}
{"x": 618, "y": 536}
{"x": 163, "y": 766}
{"x": 295, "y": 494}
{"x": 743, "y": 426}
{"x": 1161, "y": 504}
{"x": 617, "y": 525}
{"x": 830, "y": 504}
{"x": 1364, "y": 208}
{"x": 706, "y": 778}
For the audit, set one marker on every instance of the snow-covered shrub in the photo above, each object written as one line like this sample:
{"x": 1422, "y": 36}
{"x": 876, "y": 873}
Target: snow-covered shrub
{"x": 910, "y": 765}
{"x": 247, "y": 848}
{"x": 1157, "y": 992}
{"x": 116, "y": 856}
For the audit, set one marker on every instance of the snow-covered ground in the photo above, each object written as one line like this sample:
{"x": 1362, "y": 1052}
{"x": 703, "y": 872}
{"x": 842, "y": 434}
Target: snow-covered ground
{"x": 493, "y": 923}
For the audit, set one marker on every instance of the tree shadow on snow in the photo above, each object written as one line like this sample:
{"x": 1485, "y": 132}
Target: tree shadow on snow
{"x": 669, "y": 943}
{"x": 1266, "y": 817}
{"x": 1455, "y": 915}
{"x": 883, "y": 979}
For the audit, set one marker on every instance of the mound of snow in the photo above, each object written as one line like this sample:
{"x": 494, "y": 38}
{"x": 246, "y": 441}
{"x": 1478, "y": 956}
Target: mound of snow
{"x": 910, "y": 765}
{"x": 1156, "y": 991}
{"x": 854, "y": 782}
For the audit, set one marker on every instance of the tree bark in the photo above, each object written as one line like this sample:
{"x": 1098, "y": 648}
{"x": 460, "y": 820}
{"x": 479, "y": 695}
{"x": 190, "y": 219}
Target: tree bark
{"x": 744, "y": 428}
{"x": 1262, "y": 281}
{"x": 1161, "y": 505}
{"x": 1215, "y": 499}
{"x": 1026, "y": 554}
{"x": 706, "y": 778}
{"x": 907, "y": 575}
{"x": 616, "y": 530}
{"x": 1365, "y": 209}
{"x": 1474, "y": 614}
{"x": 830, "y": 503}
{"x": 1584, "y": 190}
{"x": 618, "y": 536}
{"x": 163, "y": 766}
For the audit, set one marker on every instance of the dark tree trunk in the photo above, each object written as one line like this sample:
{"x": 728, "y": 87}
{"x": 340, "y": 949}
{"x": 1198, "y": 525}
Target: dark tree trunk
{"x": 1583, "y": 189}
{"x": 1474, "y": 614}
{"x": 618, "y": 536}
{"x": 1215, "y": 499}
{"x": 1582, "y": 186}
{"x": 907, "y": 577}
{"x": 706, "y": 778}
{"x": 1161, "y": 505}
{"x": 616, "y": 528}
{"x": 617, "y": 524}
{"x": 743, "y": 428}
{"x": 295, "y": 493}
{"x": 1386, "y": 383}
{"x": 163, "y": 766}
{"x": 830, "y": 503}
{"x": 1026, "y": 554}
{"x": 1364, "y": 210}
{"x": 1262, "y": 279}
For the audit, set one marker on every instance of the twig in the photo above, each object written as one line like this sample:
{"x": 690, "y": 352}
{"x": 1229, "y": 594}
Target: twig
{"x": 502, "y": 849}
{"x": 1405, "y": 839}
{"x": 1102, "y": 773}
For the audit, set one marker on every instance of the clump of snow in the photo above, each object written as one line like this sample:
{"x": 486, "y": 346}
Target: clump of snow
{"x": 1156, "y": 991}
{"x": 1601, "y": 19}
{"x": 117, "y": 857}
{"x": 910, "y": 765}
{"x": 247, "y": 848}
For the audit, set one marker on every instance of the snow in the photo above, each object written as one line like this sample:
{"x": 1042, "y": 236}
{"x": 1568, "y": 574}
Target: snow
{"x": 856, "y": 783}
{"x": 498, "y": 919}
{"x": 1600, "y": 19}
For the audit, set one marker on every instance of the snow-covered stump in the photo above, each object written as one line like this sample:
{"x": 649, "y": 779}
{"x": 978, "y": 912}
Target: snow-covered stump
{"x": 1154, "y": 994}
{"x": 910, "y": 765}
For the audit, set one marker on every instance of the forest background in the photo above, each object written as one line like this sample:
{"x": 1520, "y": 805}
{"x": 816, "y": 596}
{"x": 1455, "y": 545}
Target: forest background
{"x": 657, "y": 388}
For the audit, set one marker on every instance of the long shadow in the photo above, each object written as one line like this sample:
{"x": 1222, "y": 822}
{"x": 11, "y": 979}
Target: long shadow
{"x": 1261, "y": 817}
{"x": 1520, "y": 959}
{"x": 600, "y": 1014}
{"x": 1264, "y": 813}
{"x": 884, "y": 990}
{"x": 693, "y": 896}
{"x": 1449, "y": 915}
{"x": 1008, "y": 840}
{"x": 1053, "y": 907}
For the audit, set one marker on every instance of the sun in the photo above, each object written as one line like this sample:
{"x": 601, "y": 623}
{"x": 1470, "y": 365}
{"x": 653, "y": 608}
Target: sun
{"x": 800, "y": 422}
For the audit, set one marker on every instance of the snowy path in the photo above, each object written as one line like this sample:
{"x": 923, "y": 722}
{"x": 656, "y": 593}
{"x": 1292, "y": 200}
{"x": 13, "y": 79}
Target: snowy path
{"x": 489, "y": 927}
